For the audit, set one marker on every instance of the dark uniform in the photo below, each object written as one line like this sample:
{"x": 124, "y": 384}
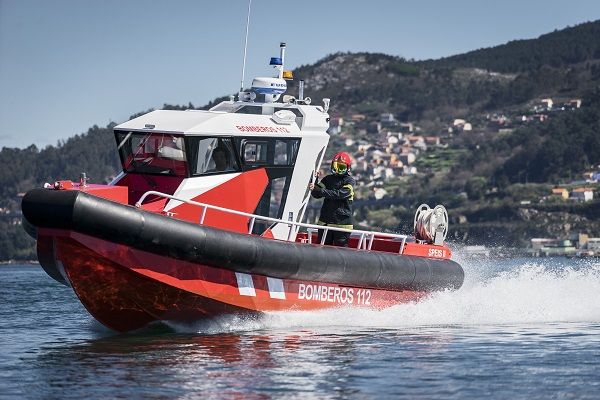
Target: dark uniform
{"x": 338, "y": 193}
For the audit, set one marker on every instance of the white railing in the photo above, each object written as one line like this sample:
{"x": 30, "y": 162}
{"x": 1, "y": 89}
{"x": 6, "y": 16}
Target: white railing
{"x": 365, "y": 241}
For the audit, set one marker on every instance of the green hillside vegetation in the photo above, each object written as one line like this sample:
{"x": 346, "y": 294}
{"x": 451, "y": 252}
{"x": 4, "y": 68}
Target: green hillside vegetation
{"x": 559, "y": 49}
{"x": 563, "y": 148}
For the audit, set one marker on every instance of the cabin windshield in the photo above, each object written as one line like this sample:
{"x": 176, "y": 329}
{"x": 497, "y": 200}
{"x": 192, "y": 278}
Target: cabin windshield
{"x": 152, "y": 153}
{"x": 212, "y": 155}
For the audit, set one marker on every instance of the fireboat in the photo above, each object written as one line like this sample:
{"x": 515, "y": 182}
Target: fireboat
{"x": 206, "y": 219}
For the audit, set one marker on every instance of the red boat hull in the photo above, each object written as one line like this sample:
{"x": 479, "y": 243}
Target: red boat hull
{"x": 125, "y": 288}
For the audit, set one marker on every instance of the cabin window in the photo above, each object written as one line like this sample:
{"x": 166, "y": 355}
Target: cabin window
{"x": 152, "y": 153}
{"x": 212, "y": 155}
{"x": 277, "y": 187}
{"x": 277, "y": 156}
{"x": 255, "y": 152}
{"x": 272, "y": 152}
{"x": 285, "y": 151}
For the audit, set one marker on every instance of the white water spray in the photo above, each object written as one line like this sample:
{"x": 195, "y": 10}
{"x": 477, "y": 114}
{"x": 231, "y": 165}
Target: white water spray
{"x": 529, "y": 293}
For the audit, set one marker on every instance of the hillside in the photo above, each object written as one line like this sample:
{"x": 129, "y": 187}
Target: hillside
{"x": 559, "y": 49}
{"x": 484, "y": 176}
{"x": 563, "y": 63}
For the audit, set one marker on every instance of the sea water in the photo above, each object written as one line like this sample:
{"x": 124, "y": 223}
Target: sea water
{"x": 517, "y": 329}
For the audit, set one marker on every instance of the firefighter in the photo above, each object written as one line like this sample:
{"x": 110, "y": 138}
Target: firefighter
{"x": 337, "y": 192}
{"x": 221, "y": 159}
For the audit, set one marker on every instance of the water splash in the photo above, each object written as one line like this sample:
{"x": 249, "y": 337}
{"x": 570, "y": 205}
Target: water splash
{"x": 494, "y": 293}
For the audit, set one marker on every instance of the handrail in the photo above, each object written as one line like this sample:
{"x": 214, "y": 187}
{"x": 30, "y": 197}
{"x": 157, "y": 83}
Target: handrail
{"x": 366, "y": 237}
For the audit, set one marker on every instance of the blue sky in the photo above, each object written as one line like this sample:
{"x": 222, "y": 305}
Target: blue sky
{"x": 66, "y": 65}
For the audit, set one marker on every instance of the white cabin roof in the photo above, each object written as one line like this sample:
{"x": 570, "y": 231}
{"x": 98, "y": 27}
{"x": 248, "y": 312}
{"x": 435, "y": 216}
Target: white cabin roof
{"x": 168, "y": 121}
{"x": 201, "y": 122}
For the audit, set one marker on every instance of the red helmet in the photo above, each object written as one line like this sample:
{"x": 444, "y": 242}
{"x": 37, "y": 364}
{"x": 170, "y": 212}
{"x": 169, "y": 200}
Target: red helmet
{"x": 341, "y": 163}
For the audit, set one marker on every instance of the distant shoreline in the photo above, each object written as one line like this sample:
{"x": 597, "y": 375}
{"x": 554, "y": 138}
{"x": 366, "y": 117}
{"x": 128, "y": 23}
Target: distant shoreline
{"x": 20, "y": 262}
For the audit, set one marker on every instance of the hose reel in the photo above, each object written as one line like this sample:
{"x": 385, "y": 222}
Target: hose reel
{"x": 431, "y": 224}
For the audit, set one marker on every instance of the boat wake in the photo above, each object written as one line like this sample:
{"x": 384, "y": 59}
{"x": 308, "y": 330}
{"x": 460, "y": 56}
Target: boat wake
{"x": 502, "y": 292}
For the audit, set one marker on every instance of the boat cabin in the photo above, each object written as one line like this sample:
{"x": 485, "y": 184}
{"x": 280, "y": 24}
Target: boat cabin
{"x": 254, "y": 155}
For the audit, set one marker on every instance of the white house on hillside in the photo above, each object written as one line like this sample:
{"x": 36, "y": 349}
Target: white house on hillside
{"x": 582, "y": 194}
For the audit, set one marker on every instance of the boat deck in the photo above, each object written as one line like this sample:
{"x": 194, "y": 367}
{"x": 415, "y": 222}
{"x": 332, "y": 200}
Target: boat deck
{"x": 307, "y": 233}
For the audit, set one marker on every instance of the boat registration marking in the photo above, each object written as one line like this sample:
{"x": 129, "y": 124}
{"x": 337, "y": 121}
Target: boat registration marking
{"x": 334, "y": 294}
{"x": 258, "y": 128}
{"x": 437, "y": 253}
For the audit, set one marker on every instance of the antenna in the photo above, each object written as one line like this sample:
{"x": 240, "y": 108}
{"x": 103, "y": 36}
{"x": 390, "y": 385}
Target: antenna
{"x": 245, "y": 46}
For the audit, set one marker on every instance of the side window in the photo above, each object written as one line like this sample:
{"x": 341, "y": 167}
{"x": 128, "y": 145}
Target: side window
{"x": 277, "y": 155}
{"x": 285, "y": 151}
{"x": 213, "y": 156}
{"x": 254, "y": 152}
{"x": 269, "y": 152}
